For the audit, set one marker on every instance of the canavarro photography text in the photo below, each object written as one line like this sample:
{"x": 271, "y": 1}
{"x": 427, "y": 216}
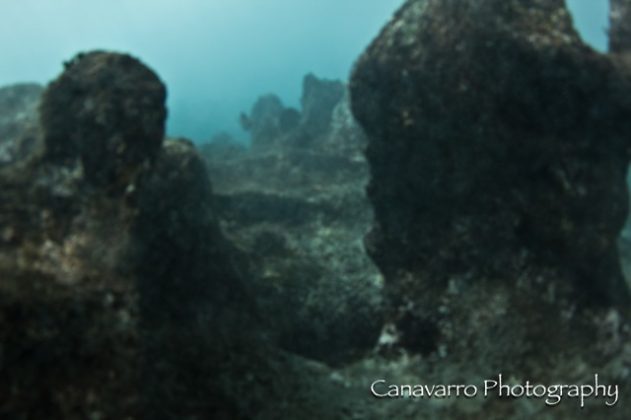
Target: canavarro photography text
{"x": 552, "y": 395}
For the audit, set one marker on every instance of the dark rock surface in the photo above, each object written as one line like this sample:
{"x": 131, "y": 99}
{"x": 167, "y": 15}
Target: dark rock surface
{"x": 319, "y": 98}
{"x": 68, "y": 310}
{"x": 620, "y": 48}
{"x": 128, "y": 302}
{"x": 298, "y": 207}
{"x": 109, "y": 111}
{"x": 498, "y": 150}
{"x": 620, "y": 30}
{"x": 18, "y": 116}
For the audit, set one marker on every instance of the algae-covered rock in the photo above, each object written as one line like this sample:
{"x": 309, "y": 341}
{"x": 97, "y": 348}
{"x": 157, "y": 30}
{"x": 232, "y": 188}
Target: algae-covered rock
{"x": 90, "y": 281}
{"x": 120, "y": 297}
{"x": 495, "y": 159}
{"x": 620, "y": 32}
{"x": 106, "y": 109}
{"x": 498, "y": 149}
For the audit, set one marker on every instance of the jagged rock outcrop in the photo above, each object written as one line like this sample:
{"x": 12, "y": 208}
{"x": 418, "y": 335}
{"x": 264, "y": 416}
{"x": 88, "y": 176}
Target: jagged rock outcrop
{"x": 18, "y": 116}
{"x": 268, "y": 121}
{"x": 498, "y": 149}
{"x": 298, "y": 206}
{"x": 323, "y": 103}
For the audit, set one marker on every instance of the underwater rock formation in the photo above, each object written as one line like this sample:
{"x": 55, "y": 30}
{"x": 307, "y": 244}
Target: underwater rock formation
{"x": 107, "y": 109}
{"x": 498, "y": 149}
{"x": 271, "y": 124}
{"x": 68, "y": 303}
{"x": 193, "y": 304}
{"x": 18, "y": 115}
{"x": 344, "y": 136}
{"x": 300, "y": 212}
{"x": 110, "y": 266}
{"x": 620, "y": 49}
{"x": 120, "y": 297}
{"x": 264, "y": 121}
{"x": 131, "y": 287}
{"x": 620, "y": 32}
{"x": 319, "y": 98}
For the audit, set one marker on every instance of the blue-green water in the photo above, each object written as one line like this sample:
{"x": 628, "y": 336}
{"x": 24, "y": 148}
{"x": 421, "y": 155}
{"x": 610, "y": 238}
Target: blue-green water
{"x": 215, "y": 56}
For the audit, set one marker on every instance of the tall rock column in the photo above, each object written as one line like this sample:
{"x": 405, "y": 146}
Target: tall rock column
{"x": 118, "y": 296}
{"x": 498, "y": 152}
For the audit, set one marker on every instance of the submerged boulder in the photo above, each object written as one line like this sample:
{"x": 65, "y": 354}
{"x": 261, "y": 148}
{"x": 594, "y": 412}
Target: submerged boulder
{"x": 498, "y": 149}
{"x": 108, "y": 110}
{"x": 98, "y": 290}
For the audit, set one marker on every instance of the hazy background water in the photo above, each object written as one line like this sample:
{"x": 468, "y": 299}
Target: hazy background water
{"x": 216, "y": 56}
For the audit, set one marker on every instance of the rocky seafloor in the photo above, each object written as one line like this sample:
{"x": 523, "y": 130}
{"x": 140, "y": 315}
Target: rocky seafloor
{"x": 455, "y": 212}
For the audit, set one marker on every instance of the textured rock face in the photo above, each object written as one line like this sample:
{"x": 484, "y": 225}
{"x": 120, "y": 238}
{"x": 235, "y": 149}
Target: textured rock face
{"x": 620, "y": 32}
{"x": 193, "y": 306}
{"x": 620, "y": 48}
{"x": 18, "y": 115}
{"x": 498, "y": 148}
{"x": 495, "y": 158}
{"x": 108, "y": 110}
{"x": 114, "y": 272}
{"x": 69, "y": 303}
{"x": 272, "y": 124}
{"x": 319, "y": 98}
{"x": 264, "y": 121}
{"x": 18, "y": 107}
{"x": 120, "y": 298}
